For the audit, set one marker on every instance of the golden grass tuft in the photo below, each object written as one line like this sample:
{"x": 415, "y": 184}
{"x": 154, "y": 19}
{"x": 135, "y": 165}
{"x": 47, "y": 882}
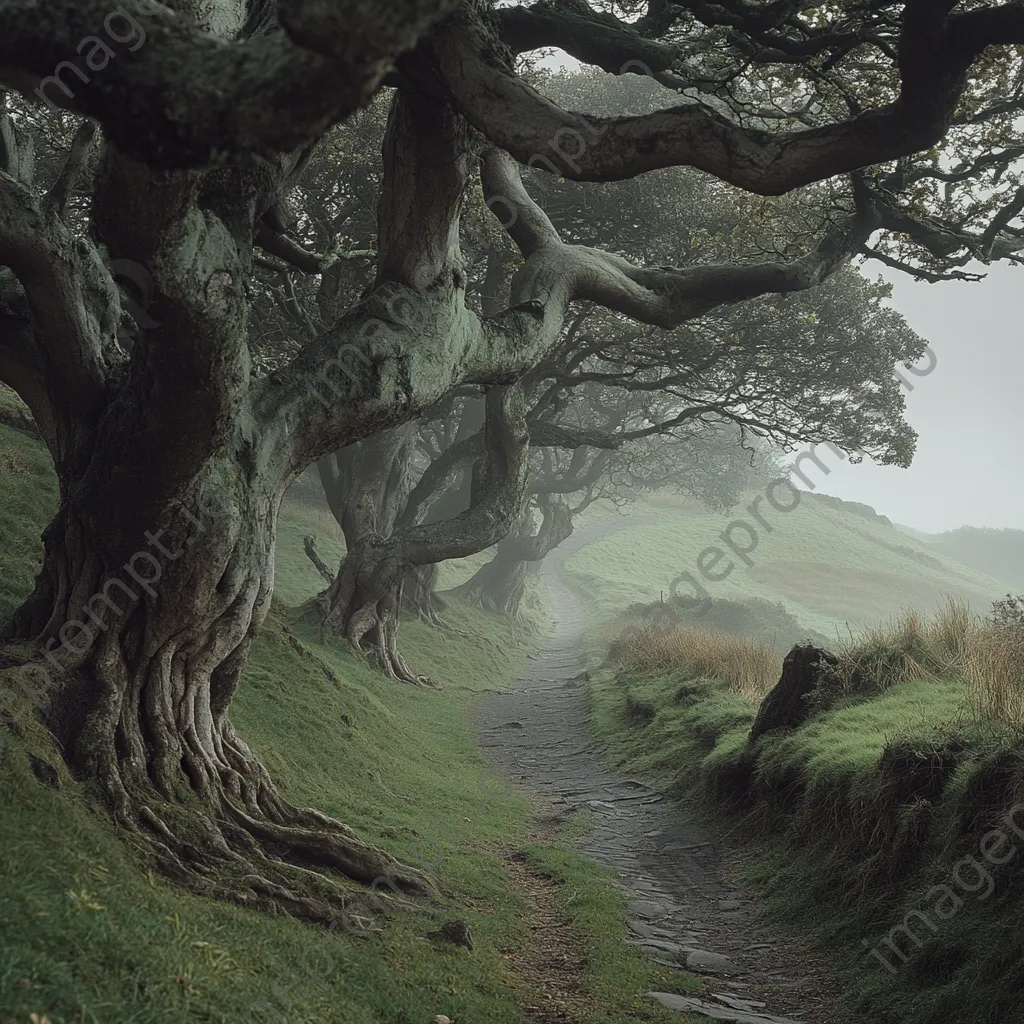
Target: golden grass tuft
{"x": 909, "y": 648}
{"x": 748, "y": 667}
{"x": 956, "y": 645}
{"x": 995, "y": 674}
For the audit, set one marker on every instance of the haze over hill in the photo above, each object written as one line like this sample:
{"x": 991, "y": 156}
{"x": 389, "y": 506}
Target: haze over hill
{"x": 966, "y": 411}
{"x": 834, "y": 565}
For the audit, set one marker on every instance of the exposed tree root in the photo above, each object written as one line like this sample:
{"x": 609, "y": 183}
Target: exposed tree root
{"x": 257, "y": 850}
{"x": 368, "y": 616}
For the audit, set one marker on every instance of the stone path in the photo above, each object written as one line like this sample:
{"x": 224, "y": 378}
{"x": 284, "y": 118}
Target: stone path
{"x": 683, "y": 914}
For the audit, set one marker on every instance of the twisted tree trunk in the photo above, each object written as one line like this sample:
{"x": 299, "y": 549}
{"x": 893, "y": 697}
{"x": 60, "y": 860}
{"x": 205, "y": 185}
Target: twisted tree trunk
{"x": 500, "y": 585}
{"x": 368, "y": 487}
{"x": 146, "y": 610}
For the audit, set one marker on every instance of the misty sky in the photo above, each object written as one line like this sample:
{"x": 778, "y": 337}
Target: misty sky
{"x": 969, "y": 412}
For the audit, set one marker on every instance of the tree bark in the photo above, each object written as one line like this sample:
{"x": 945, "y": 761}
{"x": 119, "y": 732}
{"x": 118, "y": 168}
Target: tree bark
{"x": 146, "y": 615}
{"x": 420, "y": 597}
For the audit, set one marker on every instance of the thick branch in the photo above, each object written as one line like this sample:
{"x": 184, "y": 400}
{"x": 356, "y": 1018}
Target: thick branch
{"x": 175, "y": 95}
{"x": 599, "y": 39}
{"x": 421, "y": 198}
{"x": 556, "y": 273}
{"x": 555, "y": 527}
{"x": 934, "y": 58}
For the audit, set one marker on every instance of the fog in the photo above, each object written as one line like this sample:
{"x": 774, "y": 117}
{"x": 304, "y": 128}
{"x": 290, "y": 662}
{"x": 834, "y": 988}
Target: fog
{"x": 967, "y": 411}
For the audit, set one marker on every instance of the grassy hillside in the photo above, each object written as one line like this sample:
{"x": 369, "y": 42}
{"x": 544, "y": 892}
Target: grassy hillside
{"x": 88, "y": 935}
{"x": 833, "y": 565}
{"x": 887, "y": 824}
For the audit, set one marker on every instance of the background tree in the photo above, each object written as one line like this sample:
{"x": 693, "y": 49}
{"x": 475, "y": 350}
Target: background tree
{"x": 634, "y": 450}
{"x": 177, "y": 448}
{"x": 649, "y": 220}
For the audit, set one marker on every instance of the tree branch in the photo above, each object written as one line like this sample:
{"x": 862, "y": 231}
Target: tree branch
{"x": 556, "y": 273}
{"x": 187, "y": 98}
{"x": 934, "y": 57}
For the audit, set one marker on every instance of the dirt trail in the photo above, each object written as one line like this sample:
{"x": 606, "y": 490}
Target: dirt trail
{"x": 683, "y": 913}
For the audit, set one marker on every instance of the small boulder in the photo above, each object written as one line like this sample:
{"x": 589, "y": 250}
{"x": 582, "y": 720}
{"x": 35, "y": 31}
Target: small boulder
{"x": 455, "y": 932}
{"x": 786, "y": 706}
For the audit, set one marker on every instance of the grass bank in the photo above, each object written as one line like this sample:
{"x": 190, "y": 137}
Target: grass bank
{"x": 889, "y": 825}
{"x": 88, "y": 935}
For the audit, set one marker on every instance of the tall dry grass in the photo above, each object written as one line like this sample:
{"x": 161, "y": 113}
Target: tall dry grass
{"x": 749, "y": 667}
{"x": 908, "y": 648}
{"x": 995, "y": 674}
{"x": 954, "y": 645}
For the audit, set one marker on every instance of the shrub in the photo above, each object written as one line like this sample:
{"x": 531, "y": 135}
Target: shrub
{"x": 908, "y": 649}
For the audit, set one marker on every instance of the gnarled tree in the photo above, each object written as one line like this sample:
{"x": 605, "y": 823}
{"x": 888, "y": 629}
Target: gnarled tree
{"x": 173, "y": 455}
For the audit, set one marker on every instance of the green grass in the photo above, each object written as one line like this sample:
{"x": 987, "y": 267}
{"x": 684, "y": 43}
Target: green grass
{"x": 28, "y": 500}
{"x": 832, "y": 567}
{"x": 88, "y": 936}
{"x": 850, "y": 821}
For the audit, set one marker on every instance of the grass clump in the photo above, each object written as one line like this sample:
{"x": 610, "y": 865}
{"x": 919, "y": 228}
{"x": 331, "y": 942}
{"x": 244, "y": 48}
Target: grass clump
{"x": 984, "y": 655}
{"x": 888, "y": 794}
{"x": 747, "y": 666}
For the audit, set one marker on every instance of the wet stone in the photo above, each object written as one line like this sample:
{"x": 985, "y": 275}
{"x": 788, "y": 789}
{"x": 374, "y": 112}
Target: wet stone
{"x": 651, "y": 908}
{"x": 687, "y": 1004}
{"x": 711, "y": 963}
{"x": 738, "y": 1003}
{"x": 662, "y": 945}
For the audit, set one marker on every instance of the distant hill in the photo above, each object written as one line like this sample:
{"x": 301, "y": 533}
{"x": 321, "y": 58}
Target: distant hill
{"x": 997, "y": 552}
{"x": 833, "y": 564}
{"x": 912, "y": 531}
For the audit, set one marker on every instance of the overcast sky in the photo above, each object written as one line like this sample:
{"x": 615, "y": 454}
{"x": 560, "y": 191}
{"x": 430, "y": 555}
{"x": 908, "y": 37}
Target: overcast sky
{"x": 969, "y": 411}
